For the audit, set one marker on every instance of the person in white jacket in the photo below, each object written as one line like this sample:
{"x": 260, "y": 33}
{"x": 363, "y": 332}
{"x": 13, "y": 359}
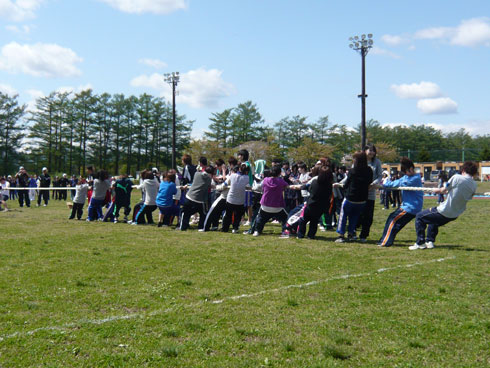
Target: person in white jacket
{"x": 150, "y": 185}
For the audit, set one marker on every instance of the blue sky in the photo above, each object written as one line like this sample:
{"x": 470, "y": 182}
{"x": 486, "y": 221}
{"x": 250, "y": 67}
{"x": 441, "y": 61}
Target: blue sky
{"x": 429, "y": 65}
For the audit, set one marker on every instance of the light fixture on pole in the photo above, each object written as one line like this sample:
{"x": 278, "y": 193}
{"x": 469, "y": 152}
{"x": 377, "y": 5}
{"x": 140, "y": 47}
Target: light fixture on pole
{"x": 362, "y": 44}
{"x": 173, "y": 79}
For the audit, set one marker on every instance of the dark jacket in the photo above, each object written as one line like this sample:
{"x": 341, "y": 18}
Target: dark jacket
{"x": 356, "y": 186}
{"x": 44, "y": 180}
{"x": 123, "y": 188}
{"x": 320, "y": 195}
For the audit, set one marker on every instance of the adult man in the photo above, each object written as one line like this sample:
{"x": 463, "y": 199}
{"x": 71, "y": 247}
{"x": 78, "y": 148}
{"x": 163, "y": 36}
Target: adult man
{"x": 23, "y": 180}
{"x": 63, "y": 184}
{"x": 44, "y": 182}
{"x": 460, "y": 189}
{"x": 412, "y": 202}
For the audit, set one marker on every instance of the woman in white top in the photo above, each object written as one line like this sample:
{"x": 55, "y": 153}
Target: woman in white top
{"x": 4, "y": 193}
{"x": 238, "y": 183}
{"x": 150, "y": 185}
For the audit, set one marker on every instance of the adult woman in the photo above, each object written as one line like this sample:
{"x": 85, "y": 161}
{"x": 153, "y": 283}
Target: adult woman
{"x": 367, "y": 214}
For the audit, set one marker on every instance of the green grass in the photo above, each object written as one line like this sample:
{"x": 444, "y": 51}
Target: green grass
{"x": 61, "y": 280}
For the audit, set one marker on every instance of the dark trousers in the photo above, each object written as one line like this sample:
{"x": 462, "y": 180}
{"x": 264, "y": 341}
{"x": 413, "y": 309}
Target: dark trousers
{"x": 77, "y": 210}
{"x": 24, "y": 195}
{"x": 63, "y": 194}
{"x": 366, "y": 219}
{"x": 118, "y": 206}
{"x": 190, "y": 207}
{"x": 234, "y": 212}
{"x": 311, "y": 215}
{"x": 430, "y": 219}
{"x": 214, "y": 213}
{"x": 387, "y": 198}
{"x": 43, "y": 195}
{"x": 394, "y": 223}
{"x": 397, "y": 198}
{"x": 263, "y": 217}
{"x": 145, "y": 211}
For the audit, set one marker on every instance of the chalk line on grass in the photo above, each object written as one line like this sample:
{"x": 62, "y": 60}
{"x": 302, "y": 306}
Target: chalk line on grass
{"x": 63, "y": 328}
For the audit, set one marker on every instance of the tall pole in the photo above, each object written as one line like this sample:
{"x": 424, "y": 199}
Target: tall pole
{"x": 362, "y": 44}
{"x": 363, "y": 99}
{"x": 174, "y": 166}
{"x": 173, "y": 80}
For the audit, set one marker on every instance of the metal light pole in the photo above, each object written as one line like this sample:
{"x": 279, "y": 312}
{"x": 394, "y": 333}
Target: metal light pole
{"x": 362, "y": 44}
{"x": 173, "y": 79}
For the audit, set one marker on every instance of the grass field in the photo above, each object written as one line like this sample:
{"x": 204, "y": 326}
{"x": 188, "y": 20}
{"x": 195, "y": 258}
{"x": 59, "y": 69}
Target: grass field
{"x": 98, "y": 294}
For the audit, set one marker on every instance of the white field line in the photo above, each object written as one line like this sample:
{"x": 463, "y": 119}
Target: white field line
{"x": 63, "y": 328}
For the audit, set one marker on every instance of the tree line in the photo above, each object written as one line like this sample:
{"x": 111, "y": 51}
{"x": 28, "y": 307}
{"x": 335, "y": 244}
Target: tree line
{"x": 66, "y": 132}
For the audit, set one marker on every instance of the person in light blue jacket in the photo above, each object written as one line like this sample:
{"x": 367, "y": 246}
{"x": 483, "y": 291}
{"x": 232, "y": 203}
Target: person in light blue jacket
{"x": 412, "y": 202}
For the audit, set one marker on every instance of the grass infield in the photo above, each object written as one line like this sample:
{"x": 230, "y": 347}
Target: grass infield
{"x": 113, "y": 295}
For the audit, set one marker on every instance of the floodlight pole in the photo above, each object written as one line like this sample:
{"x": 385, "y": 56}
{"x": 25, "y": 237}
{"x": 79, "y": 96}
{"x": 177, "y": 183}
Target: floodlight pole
{"x": 173, "y": 80}
{"x": 362, "y": 45}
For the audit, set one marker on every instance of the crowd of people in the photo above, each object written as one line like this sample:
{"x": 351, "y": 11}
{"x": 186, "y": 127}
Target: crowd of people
{"x": 236, "y": 193}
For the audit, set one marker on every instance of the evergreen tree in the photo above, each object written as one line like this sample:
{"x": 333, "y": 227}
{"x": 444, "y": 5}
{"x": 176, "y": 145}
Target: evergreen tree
{"x": 11, "y": 129}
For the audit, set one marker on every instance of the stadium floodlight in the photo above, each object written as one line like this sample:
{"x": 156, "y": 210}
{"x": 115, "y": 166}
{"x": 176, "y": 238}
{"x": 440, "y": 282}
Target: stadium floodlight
{"x": 363, "y": 47}
{"x": 173, "y": 79}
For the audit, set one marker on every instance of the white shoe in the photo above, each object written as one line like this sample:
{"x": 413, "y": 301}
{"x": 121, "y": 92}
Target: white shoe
{"x": 429, "y": 245}
{"x": 45, "y": 205}
{"x": 417, "y": 246}
{"x": 247, "y": 223}
{"x": 200, "y": 230}
{"x": 256, "y": 233}
{"x": 234, "y": 231}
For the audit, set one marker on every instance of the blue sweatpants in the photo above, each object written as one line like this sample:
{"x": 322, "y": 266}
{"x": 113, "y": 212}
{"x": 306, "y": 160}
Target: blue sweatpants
{"x": 349, "y": 212}
{"x": 394, "y": 223}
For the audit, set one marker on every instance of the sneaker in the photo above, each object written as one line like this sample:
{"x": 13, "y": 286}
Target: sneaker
{"x": 417, "y": 246}
{"x": 352, "y": 237}
{"x": 429, "y": 245}
{"x": 321, "y": 227}
{"x": 247, "y": 223}
{"x": 115, "y": 221}
{"x": 363, "y": 240}
{"x": 45, "y": 205}
{"x": 125, "y": 219}
{"x": 134, "y": 223}
{"x": 340, "y": 239}
{"x": 256, "y": 233}
{"x": 199, "y": 230}
{"x": 234, "y": 231}
{"x": 129, "y": 222}
{"x": 246, "y": 232}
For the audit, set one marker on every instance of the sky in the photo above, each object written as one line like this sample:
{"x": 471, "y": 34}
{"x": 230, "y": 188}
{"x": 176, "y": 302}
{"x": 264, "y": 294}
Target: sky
{"x": 429, "y": 63}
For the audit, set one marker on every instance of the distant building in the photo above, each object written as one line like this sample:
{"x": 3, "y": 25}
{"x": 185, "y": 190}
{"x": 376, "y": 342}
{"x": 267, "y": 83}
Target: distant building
{"x": 430, "y": 170}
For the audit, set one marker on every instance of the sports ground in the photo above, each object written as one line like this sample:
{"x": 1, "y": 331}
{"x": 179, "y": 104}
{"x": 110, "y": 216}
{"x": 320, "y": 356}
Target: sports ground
{"x": 113, "y": 295}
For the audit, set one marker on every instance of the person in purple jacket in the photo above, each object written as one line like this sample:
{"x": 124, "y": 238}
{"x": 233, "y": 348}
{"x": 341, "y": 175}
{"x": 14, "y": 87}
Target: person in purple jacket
{"x": 272, "y": 204}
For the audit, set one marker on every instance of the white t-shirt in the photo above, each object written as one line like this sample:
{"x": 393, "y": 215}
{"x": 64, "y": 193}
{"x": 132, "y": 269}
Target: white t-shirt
{"x": 4, "y": 186}
{"x": 461, "y": 189}
{"x": 238, "y": 183}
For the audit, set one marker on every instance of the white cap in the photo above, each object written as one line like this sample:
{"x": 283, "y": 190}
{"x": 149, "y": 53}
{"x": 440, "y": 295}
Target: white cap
{"x": 44, "y": 169}
{"x": 22, "y": 167}
{"x": 154, "y": 169}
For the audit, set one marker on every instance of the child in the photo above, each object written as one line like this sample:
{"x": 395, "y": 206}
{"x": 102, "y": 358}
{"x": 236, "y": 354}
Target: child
{"x": 122, "y": 188}
{"x": 243, "y": 159}
{"x": 4, "y": 192}
{"x": 412, "y": 202}
{"x": 272, "y": 202}
{"x": 197, "y": 199}
{"x": 150, "y": 185}
{"x": 320, "y": 190}
{"x": 165, "y": 200}
{"x": 459, "y": 189}
{"x": 100, "y": 188}
{"x": 356, "y": 187}
{"x": 81, "y": 191}
{"x": 235, "y": 199}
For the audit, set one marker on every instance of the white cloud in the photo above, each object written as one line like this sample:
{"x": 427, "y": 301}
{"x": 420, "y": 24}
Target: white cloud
{"x": 417, "y": 90}
{"x": 147, "y": 6}
{"x": 39, "y": 60}
{"x": 441, "y": 105}
{"x": 34, "y": 94}
{"x": 379, "y": 51}
{"x": 391, "y": 40}
{"x": 66, "y": 89}
{"x": 469, "y": 33}
{"x": 197, "y": 88}
{"x": 154, "y": 63}
{"x": 19, "y": 10}
{"x": 25, "y": 29}
{"x": 9, "y": 90}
